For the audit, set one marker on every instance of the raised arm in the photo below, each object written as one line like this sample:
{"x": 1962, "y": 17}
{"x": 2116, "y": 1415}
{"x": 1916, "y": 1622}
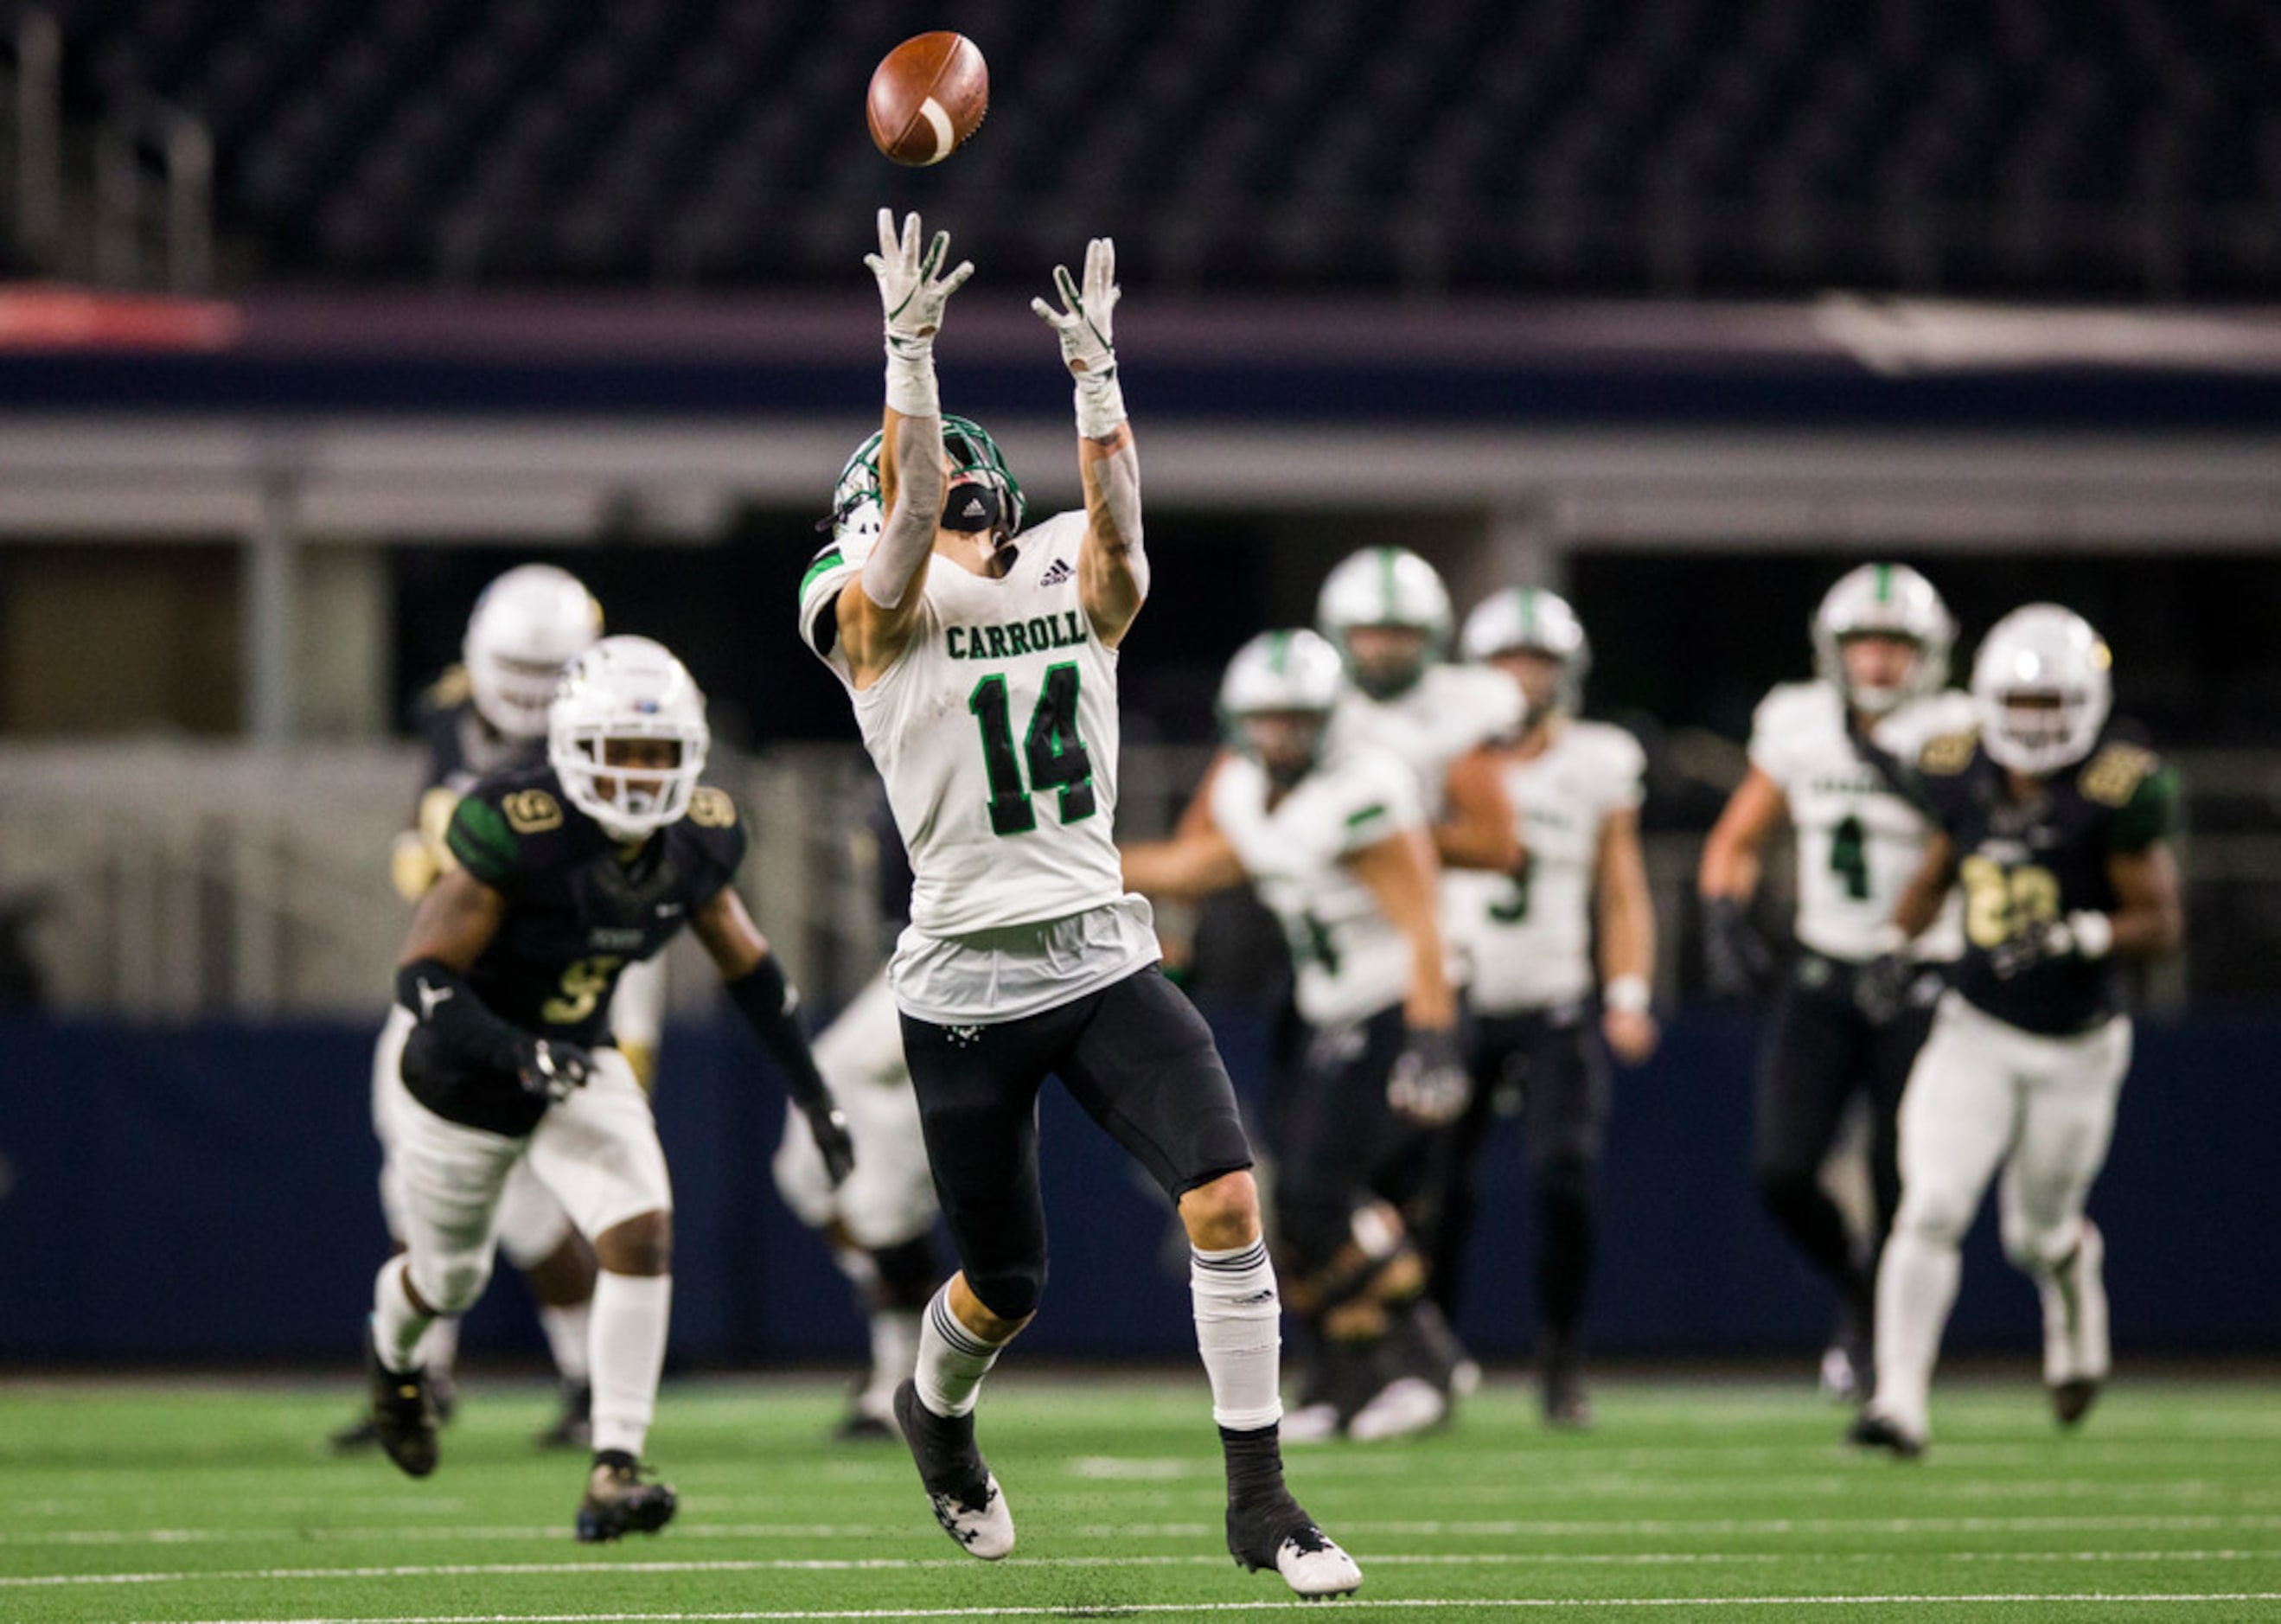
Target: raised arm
{"x": 1112, "y": 568}
{"x": 878, "y": 611}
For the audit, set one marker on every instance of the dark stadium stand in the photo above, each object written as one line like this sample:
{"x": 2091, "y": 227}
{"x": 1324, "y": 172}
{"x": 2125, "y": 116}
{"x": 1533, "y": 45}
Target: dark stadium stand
{"x": 2118, "y": 149}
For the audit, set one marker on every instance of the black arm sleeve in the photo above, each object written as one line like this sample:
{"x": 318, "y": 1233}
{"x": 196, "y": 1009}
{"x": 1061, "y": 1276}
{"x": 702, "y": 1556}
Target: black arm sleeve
{"x": 464, "y": 1029}
{"x": 765, "y": 998}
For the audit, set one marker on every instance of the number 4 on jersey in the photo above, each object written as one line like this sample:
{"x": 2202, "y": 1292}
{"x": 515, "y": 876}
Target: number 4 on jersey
{"x": 1057, "y": 757}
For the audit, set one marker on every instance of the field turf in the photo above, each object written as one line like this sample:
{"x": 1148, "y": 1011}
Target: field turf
{"x": 213, "y": 1500}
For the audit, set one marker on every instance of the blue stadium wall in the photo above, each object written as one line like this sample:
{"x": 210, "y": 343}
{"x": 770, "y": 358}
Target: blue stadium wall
{"x": 207, "y": 1193}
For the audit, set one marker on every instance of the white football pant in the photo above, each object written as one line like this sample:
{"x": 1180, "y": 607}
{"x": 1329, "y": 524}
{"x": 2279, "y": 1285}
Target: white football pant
{"x": 1982, "y": 1092}
{"x": 889, "y": 1199}
{"x": 595, "y": 1154}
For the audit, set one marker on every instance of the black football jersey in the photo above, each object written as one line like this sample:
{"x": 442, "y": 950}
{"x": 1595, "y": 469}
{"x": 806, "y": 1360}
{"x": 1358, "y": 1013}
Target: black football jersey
{"x": 2022, "y": 864}
{"x": 577, "y": 915}
{"x": 462, "y": 746}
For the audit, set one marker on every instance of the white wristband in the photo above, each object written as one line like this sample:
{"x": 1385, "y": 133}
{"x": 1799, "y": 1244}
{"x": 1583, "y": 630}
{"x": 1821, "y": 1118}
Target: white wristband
{"x": 2092, "y": 933}
{"x": 911, "y": 388}
{"x": 1888, "y": 937}
{"x": 1628, "y": 993}
{"x": 1100, "y": 404}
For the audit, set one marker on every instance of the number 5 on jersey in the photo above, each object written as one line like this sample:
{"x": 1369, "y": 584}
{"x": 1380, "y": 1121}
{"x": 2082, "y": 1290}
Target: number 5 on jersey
{"x": 1056, "y": 756}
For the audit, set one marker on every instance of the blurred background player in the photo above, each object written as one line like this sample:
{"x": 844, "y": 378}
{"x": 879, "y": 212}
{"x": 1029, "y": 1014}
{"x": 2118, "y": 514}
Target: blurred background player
{"x": 1025, "y": 956}
{"x": 1387, "y": 613}
{"x": 500, "y": 1052}
{"x": 1333, "y": 842}
{"x": 1575, "y": 789}
{"x": 488, "y": 715}
{"x": 1826, "y": 755}
{"x": 879, "y": 1223}
{"x": 2057, "y": 831}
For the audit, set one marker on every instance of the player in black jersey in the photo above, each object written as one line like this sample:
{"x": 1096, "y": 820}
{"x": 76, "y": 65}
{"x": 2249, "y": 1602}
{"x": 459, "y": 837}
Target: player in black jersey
{"x": 488, "y": 715}
{"x": 566, "y": 873}
{"x": 2057, "y": 831}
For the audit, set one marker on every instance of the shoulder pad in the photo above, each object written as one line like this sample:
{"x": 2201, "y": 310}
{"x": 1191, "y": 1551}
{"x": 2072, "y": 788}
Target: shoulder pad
{"x": 2112, "y": 774}
{"x": 532, "y": 811}
{"x": 827, "y": 573}
{"x": 1947, "y": 755}
{"x": 481, "y": 838}
{"x": 452, "y": 689}
{"x": 711, "y": 808}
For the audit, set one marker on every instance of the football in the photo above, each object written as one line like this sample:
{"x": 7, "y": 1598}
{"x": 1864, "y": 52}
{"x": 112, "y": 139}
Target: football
{"x": 928, "y": 95}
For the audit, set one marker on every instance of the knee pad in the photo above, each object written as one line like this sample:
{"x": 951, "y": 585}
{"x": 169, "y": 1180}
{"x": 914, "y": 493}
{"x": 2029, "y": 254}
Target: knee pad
{"x": 1012, "y": 1292}
{"x": 450, "y": 1285}
{"x": 908, "y": 1275}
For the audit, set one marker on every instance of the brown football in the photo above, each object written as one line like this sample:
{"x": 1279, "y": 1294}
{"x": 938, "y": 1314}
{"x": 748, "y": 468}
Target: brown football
{"x": 928, "y": 95}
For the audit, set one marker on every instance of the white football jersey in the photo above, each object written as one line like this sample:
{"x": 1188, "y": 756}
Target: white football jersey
{"x": 1528, "y": 936}
{"x": 1858, "y": 842}
{"x": 1350, "y": 960}
{"x": 996, "y": 734}
{"x": 1446, "y": 712}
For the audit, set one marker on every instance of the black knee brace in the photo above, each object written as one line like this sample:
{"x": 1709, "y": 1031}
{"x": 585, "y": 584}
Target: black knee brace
{"x": 1011, "y": 1292}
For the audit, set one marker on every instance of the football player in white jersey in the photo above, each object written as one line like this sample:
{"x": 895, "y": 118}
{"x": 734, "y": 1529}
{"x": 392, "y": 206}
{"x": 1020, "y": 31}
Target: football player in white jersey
{"x": 486, "y": 715}
{"x": 981, "y": 660}
{"x": 2057, "y": 833}
{"x": 1333, "y": 842}
{"x": 1527, "y": 934}
{"x": 1828, "y": 755}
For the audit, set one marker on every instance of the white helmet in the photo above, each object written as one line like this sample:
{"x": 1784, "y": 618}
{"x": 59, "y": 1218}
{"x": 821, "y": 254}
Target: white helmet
{"x": 2042, "y": 652}
{"x": 527, "y": 625}
{"x": 627, "y": 688}
{"x": 1888, "y": 600}
{"x": 1384, "y": 586}
{"x": 1530, "y": 620}
{"x": 1280, "y": 672}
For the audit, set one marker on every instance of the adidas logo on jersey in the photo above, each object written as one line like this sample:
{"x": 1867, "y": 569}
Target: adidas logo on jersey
{"x": 1056, "y": 572}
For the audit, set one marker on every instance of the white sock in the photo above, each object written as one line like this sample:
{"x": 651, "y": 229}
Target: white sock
{"x": 398, "y": 1327}
{"x": 1917, "y": 1288}
{"x": 895, "y": 1347}
{"x": 1239, "y": 1331}
{"x": 951, "y": 1360}
{"x": 439, "y": 1346}
{"x": 630, "y": 1313}
{"x": 570, "y": 1331}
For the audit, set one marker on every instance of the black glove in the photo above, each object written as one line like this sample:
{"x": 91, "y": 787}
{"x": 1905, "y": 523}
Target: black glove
{"x": 2036, "y": 942}
{"x": 1428, "y": 1083}
{"x": 551, "y": 1068}
{"x": 1737, "y": 960}
{"x": 1881, "y": 988}
{"x": 828, "y": 1126}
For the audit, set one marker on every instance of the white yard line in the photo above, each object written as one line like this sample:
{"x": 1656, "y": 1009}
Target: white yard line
{"x": 1632, "y": 1558}
{"x": 1499, "y": 1529}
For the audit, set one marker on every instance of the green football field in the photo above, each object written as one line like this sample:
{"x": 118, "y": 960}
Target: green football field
{"x": 1719, "y": 1499}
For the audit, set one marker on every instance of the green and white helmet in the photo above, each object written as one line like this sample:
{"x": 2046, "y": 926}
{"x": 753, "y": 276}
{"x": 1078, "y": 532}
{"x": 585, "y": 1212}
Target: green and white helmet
{"x": 1385, "y": 586}
{"x": 1286, "y": 673}
{"x": 1889, "y": 600}
{"x": 973, "y": 455}
{"x": 1530, "y": 620}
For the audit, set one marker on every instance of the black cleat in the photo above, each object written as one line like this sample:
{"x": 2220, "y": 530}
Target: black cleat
{"x": 618, "y": 1502}
{"x": 404, "y": 1418}
{"x": 1277, "y": 1535}
{"x": 959, "y": 1487}
{"x": 1567, "y": 1407}
{"x": 1873, "y": 1431}
{"x": 573, "y": 1426}
{"x": 2071, "y": 1401}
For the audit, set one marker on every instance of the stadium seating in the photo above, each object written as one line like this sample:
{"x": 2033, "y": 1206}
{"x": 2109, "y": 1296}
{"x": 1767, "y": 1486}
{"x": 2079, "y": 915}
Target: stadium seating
{"x": 2112, "y": 148}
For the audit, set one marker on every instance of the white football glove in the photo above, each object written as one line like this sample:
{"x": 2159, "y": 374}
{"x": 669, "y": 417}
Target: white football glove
{"x": 912, "y": 290}
{"x": 1083, "y": 325}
